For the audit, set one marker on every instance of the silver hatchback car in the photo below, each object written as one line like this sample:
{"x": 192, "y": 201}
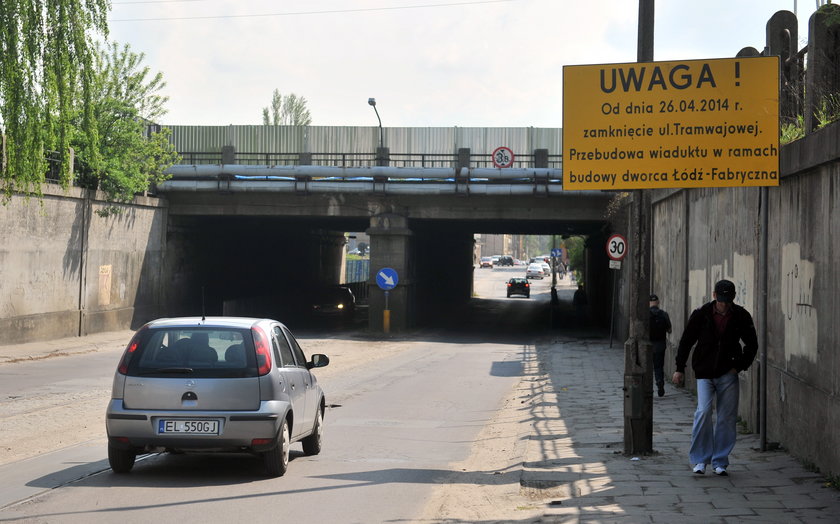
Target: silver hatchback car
{"x": 215, "y": 384}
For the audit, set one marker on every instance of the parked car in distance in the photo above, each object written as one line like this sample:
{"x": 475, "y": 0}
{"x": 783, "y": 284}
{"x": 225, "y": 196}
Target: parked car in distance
{"x": 496, "y": 259}
{"x": 486, "y": 262}
{"x": 215, "y": 384}
{"x": 534, "y": 271}
{"x": 518, "y": 286}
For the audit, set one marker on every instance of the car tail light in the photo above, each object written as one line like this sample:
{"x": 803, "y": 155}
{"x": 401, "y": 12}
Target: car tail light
{"x": 509, "y": 284}
{"x": 527, "y": 284}
{"x": 261, "y": 441}
{"x": 263, "y": 351}
{"x": 129, "y": 352}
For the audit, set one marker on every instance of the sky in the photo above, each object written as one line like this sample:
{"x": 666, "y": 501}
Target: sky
{"x": 428, "y": 63}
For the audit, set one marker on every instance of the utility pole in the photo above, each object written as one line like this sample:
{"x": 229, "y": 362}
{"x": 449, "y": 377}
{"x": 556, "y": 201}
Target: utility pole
{"x": 638, "y": 358}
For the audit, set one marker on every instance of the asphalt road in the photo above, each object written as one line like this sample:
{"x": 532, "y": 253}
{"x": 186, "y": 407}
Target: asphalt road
{"x": 393, "y": 428}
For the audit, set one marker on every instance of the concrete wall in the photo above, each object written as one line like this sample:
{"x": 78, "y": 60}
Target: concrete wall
{"x": 703, "y": 235}
{"x": 66, "y": 271}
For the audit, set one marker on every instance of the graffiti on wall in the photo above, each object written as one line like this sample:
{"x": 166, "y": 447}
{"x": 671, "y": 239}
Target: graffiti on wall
{"x": 104, "y": 288}
{"x": 800, "y": 315}
{"x": 698, "y": 288}
{"x": 742, "y": 274}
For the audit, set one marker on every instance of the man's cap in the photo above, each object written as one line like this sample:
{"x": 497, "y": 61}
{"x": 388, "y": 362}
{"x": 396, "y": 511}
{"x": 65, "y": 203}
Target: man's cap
{"x": 654, "y": 298}
{"x": 725, "y": 291}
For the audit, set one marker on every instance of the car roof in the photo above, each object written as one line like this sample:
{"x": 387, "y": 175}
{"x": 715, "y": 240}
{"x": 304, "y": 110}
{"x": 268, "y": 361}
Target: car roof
{"x": 187, "y": 322}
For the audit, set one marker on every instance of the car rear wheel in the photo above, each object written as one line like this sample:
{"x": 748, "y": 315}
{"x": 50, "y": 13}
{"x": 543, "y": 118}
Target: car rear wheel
{"x": 312, "y": 443}
{"x": 121, "y": 460}
{"x": 276, "y": 460}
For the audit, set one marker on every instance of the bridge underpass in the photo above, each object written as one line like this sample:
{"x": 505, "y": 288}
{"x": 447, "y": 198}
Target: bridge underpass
{"x": 256, "y": 266}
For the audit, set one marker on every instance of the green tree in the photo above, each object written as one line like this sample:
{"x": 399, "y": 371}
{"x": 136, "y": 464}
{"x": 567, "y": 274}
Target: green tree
{"x": 45, "y": 67}
{"x": 126, "y": 98}
{"x": 577, "y": 257}
{"x": 289, "y": 110}
{"x": 121, "y": 76}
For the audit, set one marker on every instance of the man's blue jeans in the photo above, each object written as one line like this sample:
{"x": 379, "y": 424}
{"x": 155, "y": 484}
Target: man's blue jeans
{"x": 711, "y": 442}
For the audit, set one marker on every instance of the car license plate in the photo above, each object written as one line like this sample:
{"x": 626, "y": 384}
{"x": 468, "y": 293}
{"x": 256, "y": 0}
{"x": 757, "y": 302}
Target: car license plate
{"x": 192, "y": 427}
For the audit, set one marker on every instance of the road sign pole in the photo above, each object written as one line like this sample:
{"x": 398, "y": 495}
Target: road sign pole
{"x": 612, "y": 308}
{"x": 616, "y": 251}
{"x": 386, "y": 279}
{"x": 386, "y": 316}
{"x": 638, "y": 361}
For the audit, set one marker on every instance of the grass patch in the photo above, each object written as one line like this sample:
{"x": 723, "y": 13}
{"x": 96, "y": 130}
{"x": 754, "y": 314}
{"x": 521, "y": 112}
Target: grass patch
{"x": 833, "y": 482}
{"x": 829, "y": 481}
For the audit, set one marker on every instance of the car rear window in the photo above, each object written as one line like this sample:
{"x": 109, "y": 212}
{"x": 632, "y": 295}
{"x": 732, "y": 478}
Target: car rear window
{"x": 195, "y": 352}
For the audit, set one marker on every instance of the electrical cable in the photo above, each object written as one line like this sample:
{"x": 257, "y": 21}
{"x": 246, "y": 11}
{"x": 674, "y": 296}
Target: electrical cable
{"x": 301, "y": 13}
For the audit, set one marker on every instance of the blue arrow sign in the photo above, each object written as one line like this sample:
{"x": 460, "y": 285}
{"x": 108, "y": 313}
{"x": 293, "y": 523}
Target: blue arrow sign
{"x": 557, "y": 252}
{"x": 386, "y": 278}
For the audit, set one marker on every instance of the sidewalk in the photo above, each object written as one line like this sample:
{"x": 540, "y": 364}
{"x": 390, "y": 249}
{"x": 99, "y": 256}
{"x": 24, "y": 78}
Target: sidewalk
{"x": 575, "y": 459}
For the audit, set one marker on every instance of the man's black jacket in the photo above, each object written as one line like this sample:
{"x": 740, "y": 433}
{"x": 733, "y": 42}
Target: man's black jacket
{"x": 715, "y": 355}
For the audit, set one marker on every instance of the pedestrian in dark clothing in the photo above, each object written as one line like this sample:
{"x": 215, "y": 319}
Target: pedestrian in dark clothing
{"x": 717, "y": 328}
{"x": 660, "y": 326}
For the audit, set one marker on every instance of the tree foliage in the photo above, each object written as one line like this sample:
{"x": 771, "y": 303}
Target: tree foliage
{"x": 575, "y": 247}
{"x": 289, "y": 110}
{"x": 122, "y": 76}
{"x": 45, "y": 66}
{"x": 126, "y": 98}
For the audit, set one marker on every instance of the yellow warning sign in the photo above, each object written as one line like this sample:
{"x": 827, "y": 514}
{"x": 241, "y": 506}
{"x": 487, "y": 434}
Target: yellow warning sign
{"x": 696, "y": 123}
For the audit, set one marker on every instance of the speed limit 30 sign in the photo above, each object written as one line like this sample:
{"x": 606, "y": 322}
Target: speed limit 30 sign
{"x": 616, "y": 247}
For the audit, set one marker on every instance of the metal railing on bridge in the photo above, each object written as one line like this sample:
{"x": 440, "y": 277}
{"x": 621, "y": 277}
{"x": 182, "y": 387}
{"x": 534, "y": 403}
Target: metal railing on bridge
{"x": 306, "y": 179}
{"x": 422, "y": 160}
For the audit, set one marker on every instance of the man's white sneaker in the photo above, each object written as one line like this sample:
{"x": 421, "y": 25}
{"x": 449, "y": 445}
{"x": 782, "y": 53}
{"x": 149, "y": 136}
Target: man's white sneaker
{"x": 721, "y": 471}
{"x": 700, "y": 469}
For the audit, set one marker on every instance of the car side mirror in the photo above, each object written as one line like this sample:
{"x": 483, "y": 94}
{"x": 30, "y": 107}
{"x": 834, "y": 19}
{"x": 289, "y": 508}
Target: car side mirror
{"x": 318, "y": 360}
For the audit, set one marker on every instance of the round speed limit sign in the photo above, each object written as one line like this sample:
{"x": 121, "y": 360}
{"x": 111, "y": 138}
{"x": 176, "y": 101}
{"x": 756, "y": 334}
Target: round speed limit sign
{"x": 502, "y": 157}
{"x": 616, "y": 247}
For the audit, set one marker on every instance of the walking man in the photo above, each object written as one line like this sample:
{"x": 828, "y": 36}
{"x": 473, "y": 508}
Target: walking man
{"x": 660, "y": 326}
{"x": 717, "y": 328}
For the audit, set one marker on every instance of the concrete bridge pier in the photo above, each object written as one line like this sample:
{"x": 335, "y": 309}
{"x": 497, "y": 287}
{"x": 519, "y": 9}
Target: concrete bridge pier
{"x": 390, "y": 247}
{"x": 326, "y": 255}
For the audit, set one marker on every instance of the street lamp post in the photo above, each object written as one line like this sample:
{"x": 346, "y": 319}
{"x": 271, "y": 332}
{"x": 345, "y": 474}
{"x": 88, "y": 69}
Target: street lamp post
{"x": 382, "y": 153}
{"x": 372, "y": 103}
